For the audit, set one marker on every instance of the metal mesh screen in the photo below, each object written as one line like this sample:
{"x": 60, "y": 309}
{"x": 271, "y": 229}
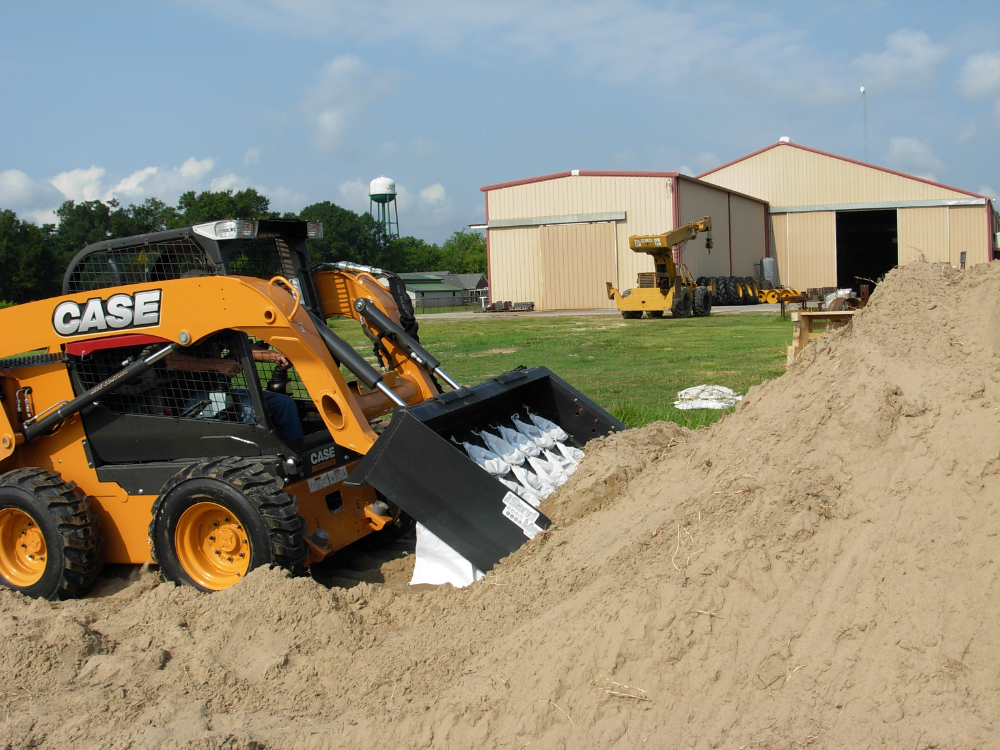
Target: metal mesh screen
{"x": 204, "y": 382}
{"x": 261, "y": 258}
{"x": 160, "y": 261}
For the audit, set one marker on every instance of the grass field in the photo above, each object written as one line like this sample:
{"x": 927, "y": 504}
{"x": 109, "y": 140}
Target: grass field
{"x": 633, "y": 368}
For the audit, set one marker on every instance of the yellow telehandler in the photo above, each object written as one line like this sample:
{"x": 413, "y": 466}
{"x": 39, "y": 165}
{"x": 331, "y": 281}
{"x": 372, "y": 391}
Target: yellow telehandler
{"x": 671, "y": 286}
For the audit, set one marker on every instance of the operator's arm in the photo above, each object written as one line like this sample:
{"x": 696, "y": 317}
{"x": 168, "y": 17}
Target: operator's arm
{"x": 262, "y": 354}
{"x": 187, "y": 363}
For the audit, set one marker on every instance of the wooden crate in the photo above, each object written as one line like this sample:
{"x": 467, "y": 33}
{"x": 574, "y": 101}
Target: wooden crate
{"x": 807, "y": 326}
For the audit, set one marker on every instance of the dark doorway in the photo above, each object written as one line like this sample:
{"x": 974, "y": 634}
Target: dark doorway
{"x": 866, "y": 247}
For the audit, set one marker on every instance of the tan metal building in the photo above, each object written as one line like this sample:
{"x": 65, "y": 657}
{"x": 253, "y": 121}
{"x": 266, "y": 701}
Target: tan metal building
{"x": 555, "y": 240}
{"x": 835, "y": 221}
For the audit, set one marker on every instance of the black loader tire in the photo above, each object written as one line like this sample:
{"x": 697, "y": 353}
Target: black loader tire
{"x": 69, "y": 530}
{"x": 717, "y": 292}
{"x": 631, "y": 314}
{"x": 276, "y": 533}
{"x": 702, "y": 302}
{"x": 701, "y": 281}
{"x": 681, "y": 307}
{"x": 654, "y": 313}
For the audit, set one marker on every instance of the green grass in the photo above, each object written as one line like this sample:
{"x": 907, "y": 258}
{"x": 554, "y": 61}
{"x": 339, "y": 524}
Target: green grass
{"x": 633, "y": 368}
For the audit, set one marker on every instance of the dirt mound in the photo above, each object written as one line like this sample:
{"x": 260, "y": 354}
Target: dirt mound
{"x": 816, "y": 570}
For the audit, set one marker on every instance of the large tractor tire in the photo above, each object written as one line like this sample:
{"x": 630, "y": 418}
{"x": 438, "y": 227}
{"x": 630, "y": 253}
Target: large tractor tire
{"x": 49, "y": 541}
{"x": 683, "y": 302}
{"x": 217, "y": 520}
{"x": 631, "y": 314}
{"x": 701, "y": 304}
{"x": 736, "y": 298}
{"x": 754, "y": 291}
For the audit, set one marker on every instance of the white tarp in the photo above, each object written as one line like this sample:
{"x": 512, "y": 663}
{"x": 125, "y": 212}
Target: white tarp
{"x": 438, "y": 563}
{"x": 707, "y": 397}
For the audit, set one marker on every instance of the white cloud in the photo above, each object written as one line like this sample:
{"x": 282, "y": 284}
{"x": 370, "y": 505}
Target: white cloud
{"x": 908, "y": 62}
{"x": 389, "y": 147}
{"x": 430, "y": 208}
{"x": 988, "y": 191}
{"x": 344, "y": 88}
{"x": 27, "y": 197}
{"x": 686, "y": 169}
{"x": 252, "y": 156}
{"x": 354, "y": 195}
{"x": 81, "y": 184}
{"x": 913, "y": 157}
{"x": 193, "y": 169}
{"x": 706, "y": 160}
{"x": 980, "y": 76}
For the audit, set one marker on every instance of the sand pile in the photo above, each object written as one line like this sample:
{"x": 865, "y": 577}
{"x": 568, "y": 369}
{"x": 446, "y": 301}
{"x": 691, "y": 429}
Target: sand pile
{"x": 817, "y": 570}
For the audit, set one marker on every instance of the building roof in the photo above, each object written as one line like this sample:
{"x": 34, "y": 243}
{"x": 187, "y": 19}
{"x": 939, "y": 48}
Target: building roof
{"x": 576, "y": 173}
{"x": 440, "y": 287}
{"x": 840, "y": 158}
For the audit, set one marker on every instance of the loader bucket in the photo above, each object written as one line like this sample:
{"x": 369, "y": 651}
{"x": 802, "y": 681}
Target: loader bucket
{"x": 415, "y": 464}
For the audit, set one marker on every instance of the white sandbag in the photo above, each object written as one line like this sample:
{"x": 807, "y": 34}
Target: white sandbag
{"x": 567, "y": 466}
{"x": 438, "y": 563}
{"x": 511, "y": 455}
{"x": 532, "y": 498}
{"x": 532, "y": 481}
{"x": 551, "y": 429}
{"x": 574, "y": 454}
{"x": 522, "y": 442}
{"x": 547, "y": 472}
{"x": 489, "y": 461}
{"x": 707, "y": 397}
{"x": 533, "y": 433}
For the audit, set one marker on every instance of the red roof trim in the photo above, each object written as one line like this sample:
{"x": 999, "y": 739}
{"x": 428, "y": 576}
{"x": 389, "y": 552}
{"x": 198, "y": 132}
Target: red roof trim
{"x": 582, "y": 173}
{"x": 848, "y": 160}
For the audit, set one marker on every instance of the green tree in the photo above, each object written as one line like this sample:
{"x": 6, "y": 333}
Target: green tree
{"x": 464, "y": 252}
{"x": 152, "y": 215}
{"x": 28, "y": 267}
{"x": 348, "y": 236}
{"x": 222, "y": 204}
{"x": 414, "y": 255}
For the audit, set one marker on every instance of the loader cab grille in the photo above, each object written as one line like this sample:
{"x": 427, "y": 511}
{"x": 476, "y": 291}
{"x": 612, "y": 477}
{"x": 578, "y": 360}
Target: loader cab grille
{"x": 647, "y": 280}
{"x": 139, "y": 264}
{"x": 205, "y": 382}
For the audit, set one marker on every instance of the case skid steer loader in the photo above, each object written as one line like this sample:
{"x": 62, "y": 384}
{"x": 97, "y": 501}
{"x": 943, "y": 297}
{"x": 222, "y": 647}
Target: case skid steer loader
{"x": 185, "y": 402}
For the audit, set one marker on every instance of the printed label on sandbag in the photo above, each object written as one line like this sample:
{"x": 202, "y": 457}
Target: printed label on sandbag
{"x": 522, "y": 514}
{"x": 327, "y": 478}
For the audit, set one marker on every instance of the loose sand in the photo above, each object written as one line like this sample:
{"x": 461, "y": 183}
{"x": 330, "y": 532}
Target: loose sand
{"x": 816, "y": 570}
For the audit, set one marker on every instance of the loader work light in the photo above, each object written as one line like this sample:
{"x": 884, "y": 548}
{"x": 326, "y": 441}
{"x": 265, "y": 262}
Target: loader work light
{"x": 229, "y": 229}
{"x": 314, "y": 230}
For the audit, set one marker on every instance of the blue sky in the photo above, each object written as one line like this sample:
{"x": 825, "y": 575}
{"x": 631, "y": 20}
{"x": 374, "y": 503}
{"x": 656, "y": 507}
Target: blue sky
{"x": 309, "y": 101}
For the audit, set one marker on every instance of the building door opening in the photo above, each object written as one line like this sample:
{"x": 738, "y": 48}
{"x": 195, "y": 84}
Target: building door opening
{"x": 867, "y": 247}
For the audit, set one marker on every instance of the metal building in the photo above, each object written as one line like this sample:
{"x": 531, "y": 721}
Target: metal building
{"x": 836, "y": 222}
{"x": 555, "y": 240}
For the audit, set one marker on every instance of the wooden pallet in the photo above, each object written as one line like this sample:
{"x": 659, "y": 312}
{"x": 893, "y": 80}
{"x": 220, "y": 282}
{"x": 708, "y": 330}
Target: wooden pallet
{"x": 808, "y": 326}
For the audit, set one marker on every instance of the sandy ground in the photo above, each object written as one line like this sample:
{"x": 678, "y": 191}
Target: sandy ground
{"x": 818, "y": 569}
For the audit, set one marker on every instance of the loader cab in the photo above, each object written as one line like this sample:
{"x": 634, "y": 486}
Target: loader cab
{"x": 261, "y": 249}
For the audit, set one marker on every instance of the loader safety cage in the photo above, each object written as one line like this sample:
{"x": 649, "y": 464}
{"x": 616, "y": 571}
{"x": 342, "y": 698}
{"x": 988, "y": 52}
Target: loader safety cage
{"x": 261, "y": 249}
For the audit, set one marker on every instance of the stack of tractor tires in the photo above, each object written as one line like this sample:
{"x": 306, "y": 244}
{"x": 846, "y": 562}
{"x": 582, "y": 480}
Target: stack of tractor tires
{"x": 732, "y": 290}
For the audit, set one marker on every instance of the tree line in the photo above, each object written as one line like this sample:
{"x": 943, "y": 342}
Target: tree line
{"x": 34, "y": 258}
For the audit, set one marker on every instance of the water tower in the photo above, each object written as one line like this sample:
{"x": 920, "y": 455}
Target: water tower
{"x": 382, "y": 204}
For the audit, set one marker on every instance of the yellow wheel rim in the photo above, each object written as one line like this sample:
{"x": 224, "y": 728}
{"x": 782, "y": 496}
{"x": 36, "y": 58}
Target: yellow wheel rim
{"x": 23, "y": 553}
{"x": 212, "y": 545}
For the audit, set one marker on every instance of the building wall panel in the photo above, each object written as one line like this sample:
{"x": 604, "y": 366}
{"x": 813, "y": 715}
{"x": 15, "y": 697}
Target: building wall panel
{"x": 779, "y": 244}
{"x": 577, "y": 260}
{"x": 968, "y": 232}
{"x": 922, "y": 234}
{"x": 810, "y": 251}
{"x": 748, "y": 220}
{"x": 791, "y": 176}
{"x": 515, "y": 266}
{"x": 697, "y": 201}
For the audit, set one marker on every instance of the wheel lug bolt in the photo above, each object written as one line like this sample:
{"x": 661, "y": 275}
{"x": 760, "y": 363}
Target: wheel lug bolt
{"x": 244, "y": 541}
{"x": 241, "y": 555}
{"x": 23, "y": 544}
{"x": 217, "y": 552}
{"x": 229, "y": 559}
{"x": 211, "y": 537}
{"x": 227, "y": 519}
{"x": 215, "y": 523}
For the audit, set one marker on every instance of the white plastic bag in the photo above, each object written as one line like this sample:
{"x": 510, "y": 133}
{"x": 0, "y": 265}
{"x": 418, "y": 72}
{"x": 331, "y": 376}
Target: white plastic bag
{"x": 532, "y": 482}
{"x": 489, "y": 461}
{"x": 551, "y": 429}
{"x": 522, "y": 442}
{"x": 511, "y": 455}
{"x": 562, "y": 462}
{"x": 533, "y": 433}
{"x": 438, "y": 563}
